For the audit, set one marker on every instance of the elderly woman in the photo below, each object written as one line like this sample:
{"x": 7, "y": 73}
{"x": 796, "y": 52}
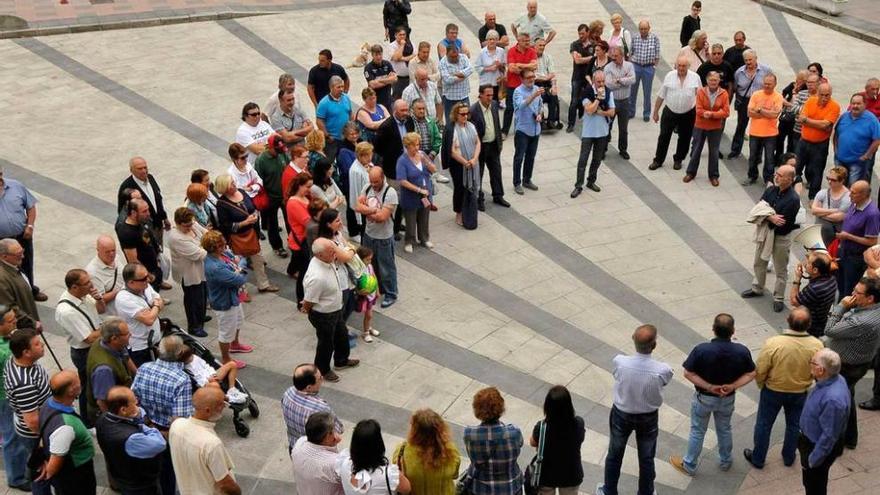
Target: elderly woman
{"x": 324, "y": 187}
{"x": 371, "y": 115}
{"x": 428, "y": 457}
{"x": 188, "y": 267}
{"x": 197, "y": 202}
{"x": 364, "y": 469}
{"x": 461, "y": 150}
{"x": 564, "y": 432}
{"x": 414, "y": 171}
{"x": 830, "y": 205}
{"x": 491, "y": 62}
{"x": 620, "y": 36}
{"x": 224, "y": 280}
{"x": 238, "y": 222}
{"x": 298, "y": 216}
{"x": 493, "y": 448}
{"x": 697, "y": 49}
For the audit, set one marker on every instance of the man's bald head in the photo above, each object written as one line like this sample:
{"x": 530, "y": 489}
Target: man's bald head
{"x": 208, "y": 403}
{"x": 104, "y": 241}
{"x": 106, "y": 249}
{"x": 682, "y": 64}
{"x": 377, "y": 177}
{"x": 799, "y": 319}
{"x": 65, "y": 383}
{"x": 645, "y": 339}
{"x": 138, "y": 168}
{"x": 787, "y": 171}
{"x": 322, "y": 248}
{"x": 120, "y": 399}
{"x": 861, "y": 186}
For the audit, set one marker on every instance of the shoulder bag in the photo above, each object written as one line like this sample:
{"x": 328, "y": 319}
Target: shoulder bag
{"x": 243, "y": 243}
{"x": 532, "y": 476}
{"x": 261, "y": 200}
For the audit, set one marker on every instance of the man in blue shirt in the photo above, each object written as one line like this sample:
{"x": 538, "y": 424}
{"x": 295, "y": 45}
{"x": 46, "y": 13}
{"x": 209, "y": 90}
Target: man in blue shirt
{"x": 332, "y": 113}
{"x": 18, "y": 213}
{"x": 527, "y": 106}
{"x": 598, "y": 112}
{"x": 823, "y": 421}
{"x": 856, "y": 138}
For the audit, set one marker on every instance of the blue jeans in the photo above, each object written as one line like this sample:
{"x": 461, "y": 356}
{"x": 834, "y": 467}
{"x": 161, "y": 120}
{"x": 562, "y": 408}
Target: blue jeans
{"x": 700, "y": 137}
{"x": 622, "y": 424}
{"x": 858, "y": 170}
{"x": 524, "y": 149}
{"x": 448, "y": 104}
{"x": 768, "y": 408}
{"x": 702, "y": 407}
{"x": 645, "y": 77}
{"x": 16, "y": 450}
{"x": 383, "y": 263}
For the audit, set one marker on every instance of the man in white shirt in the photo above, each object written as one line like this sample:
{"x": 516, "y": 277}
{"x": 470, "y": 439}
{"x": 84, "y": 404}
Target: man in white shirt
{"x": 314, "y": 457}
{"x": 322, "y": 301}
{"x": 139, "y": 305}
{"x": 105, "y": 273}
{"x": 253, "y": 133}
{"x": 425, "y": 89}
{"x": 77, "y": 313}
{"x": 679, "y": 93}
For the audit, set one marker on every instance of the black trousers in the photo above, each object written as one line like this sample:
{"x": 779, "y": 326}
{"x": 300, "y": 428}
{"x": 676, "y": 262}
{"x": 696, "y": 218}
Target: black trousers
{"x": 742, "y": 122}
{"x": 597, "y": 146}
{"x": 815, "y": 479}
{"x": 399, "y": 86}
{"x": 269, "y": 216}
{"x": 621, "y": 116}
{"x": 508, "y": 111}
{"x": 552, "y": 102}
{"x": 852, "y": 373}
{"x": 298, "y": 264}
{"x": 79, "y": 358}
{"x": 575, "y": 107}
{"x": 670, "y": 121}
{"x": 332, "y": 339}
{"x": 195, "y": 304}
{"x": 167, "y": 478}
{"x": 490, "y": 157}
{"x": 813, "y": 157}
{"x": 78, "y": 480}
{"x": 141, "y": 357}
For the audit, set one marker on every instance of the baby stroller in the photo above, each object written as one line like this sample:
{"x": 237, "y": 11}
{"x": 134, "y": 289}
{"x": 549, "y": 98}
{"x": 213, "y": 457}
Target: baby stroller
{"x": 241, "y": 428}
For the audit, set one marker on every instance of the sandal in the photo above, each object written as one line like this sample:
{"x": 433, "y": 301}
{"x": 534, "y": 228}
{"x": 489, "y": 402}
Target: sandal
{"x": 367, "y": 338}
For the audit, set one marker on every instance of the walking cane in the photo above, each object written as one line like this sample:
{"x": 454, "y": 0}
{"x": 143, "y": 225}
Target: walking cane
{"x": 45, "y": 342}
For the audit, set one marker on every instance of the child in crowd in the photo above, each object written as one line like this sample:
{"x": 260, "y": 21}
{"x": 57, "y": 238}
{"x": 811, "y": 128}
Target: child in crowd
{"x": 203, "y": 374}
{"x": 366, "y": 301}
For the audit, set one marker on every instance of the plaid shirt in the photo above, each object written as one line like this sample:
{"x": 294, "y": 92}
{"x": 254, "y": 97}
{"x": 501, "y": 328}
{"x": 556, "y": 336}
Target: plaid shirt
{"x": 297, "y": 407}
{"x": 164, "y": 390}
{"x": 645, "y": 51}
{"x": 455, "y": 89}
{"x": 422, "y": 128}
{"x": 493, "y": 449}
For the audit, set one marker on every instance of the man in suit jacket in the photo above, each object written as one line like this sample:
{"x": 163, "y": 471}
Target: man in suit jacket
{"x": 14, "y": 287}
{"x": 389, "y": 147}
{"x": 490, "y": 149}
{"x": 141, "y": 180}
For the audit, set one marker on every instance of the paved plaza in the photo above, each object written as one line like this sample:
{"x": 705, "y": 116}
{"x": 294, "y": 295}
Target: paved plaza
{"x": 543, "y": 293}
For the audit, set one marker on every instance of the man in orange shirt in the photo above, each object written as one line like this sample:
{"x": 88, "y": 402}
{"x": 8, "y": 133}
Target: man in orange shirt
{"x": 764, "y": 108}
{"x": 817, "y": 120}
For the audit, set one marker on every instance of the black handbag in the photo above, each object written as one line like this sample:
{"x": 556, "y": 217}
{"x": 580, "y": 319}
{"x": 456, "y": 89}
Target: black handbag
{"x": 469, "y": 209}
{"x": 532, "y": 476}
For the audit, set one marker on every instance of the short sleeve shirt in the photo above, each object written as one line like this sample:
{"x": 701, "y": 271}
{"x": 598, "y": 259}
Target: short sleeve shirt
{"x": 537, "y": 27}
{"x": 719, "y": 361}
{"x": 374, "y": 71}
{"x": 383, "y": 230}
{"x": 854, "y": 136}
{"x": 863, "y": 223}
{"x": 724, "y": 70}
{"x": 129, "y": 304}
{"x": 77, "y": 325}
{"x": 248, "y": 135}
{"x": 200, "y": 370}
{"x": 765, "y": 127}
{"x": 515, "y": 56}
{"x": 27, "y": 389}
{"x": 579, "y": 71}
{"x": 484, "y": 29}
{"x": 140, "y": 238}
{"x": 812, "y": 110}
{"x": 322, "y": 287}
{"x": 334, "y": 113}
{"x": 14, "y": 203}
{"x": 319, "y": 79}
{"x": 199, "y": 457}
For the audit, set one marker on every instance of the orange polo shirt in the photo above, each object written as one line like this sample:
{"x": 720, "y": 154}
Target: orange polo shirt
{"x": 764, "y": 126}
{"x": 812, "y": 110}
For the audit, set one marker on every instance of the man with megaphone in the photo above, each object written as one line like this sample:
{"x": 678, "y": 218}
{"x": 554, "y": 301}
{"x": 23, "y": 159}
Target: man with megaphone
{"x": 820, "y": 292}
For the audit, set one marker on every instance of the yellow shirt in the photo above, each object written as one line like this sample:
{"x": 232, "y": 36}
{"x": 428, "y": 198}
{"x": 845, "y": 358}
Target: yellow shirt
{"x": 198, "y": 455}
{"x": 783, "y": 364}
{"x": 489, "y": 135}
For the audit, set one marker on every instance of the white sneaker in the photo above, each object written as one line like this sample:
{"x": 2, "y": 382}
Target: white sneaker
{"x": 408, "y": 248}
{"x": 440, "y": 178}
{"x": 367, "y": 338}
{"x": 374, "y": 332}
{"x": 356, "y": 239}
{"x": 236, "y": 396}
{"x": 428, "y": 244}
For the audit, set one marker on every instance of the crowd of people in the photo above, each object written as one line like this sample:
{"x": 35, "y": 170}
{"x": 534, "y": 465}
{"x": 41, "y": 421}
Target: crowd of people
{"x": 359, "y": 179}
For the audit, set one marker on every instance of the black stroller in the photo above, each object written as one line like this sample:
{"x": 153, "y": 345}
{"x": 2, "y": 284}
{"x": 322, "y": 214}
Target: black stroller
{"x": 241, "y": 428}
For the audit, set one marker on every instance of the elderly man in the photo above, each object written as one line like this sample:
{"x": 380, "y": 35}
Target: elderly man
{"x": 717, "y": 64}
{"x": 289, "y": 121}
{"x": 582, "y": 54}
{"x": 679, "y": 94}
{"x": 27, "y": 389}
{"x": 198, "y": 454}
{"x": 164, "y": 390}
{"x": 747, "y": 80}
{"x": 644, "y": 55}
{"x": 142, "y": 181}
{"x": 817, "y": 120}
{"x": 107, "y": 366}
{"x": 15, "y": 291}
{"x": 783, "y": 375}
{"x": 270, "y": 167}
{"x": 519, "y": 58}
{"x": 426, "y": 90}
{"x": 716, "y": 368}
{"x": 105, "y": 273}
{"x": 77, "y": 313}
{"x": 856, "y": 139}
{"x": 763, "y": 110}
{"x": 823, "y": 421}
{"x": 713, "y": 108}
{"x": 484, "y": 115}
{"x": 139, "y": 306}
{"x": 139, "y": 242}
{"x": 323, "y": 303}
{"x": 377, "y": 205}
{"x": 455, "y": 72}
{"x": 332, "y": 113}
{"x": 380, "y": 76}
{"x": 775, "y": 216}
{"x": 533, "y": 24}
{"x": 389, "y": 147}
{"x": 600, "y": 107}
{"x": 620, "y": 76}
{"x": 492, "y": 25}
{"x": 820, "y": 292}
{"x": 638, "y": 394}
{"x": 301, "y": 401}
{"x": 852, "y": 333}
{"x": 734, "y": 54}
{"x": 859, "y": 231}
{"x": 527, "y": 108}
{"x": 67, "y": 442}
{"x": 18, "y": 214}
{"x": 314, "y": 457}
{"x": 545, "y": 77}
{"x": 131, "y": 449}
{"x": 318, "y": 84}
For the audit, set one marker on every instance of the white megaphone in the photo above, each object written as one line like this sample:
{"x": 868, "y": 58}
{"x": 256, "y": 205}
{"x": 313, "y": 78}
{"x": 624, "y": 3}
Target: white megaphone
{"x": 811, "y": 238}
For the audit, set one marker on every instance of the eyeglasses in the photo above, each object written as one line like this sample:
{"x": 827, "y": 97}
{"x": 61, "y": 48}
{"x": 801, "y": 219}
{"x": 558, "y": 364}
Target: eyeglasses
{"x": 242, "y": 157}
{"x": 463, "y": 114}
{"x": 832, "y": 179}
{"x": 144, "y": 279}
{"x": 251, "y": 114}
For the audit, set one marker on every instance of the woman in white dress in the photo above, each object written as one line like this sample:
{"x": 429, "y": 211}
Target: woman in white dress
{"x": 364, "y": 469}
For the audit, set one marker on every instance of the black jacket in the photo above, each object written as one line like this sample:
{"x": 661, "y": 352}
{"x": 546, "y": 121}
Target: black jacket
{"x": 478, "y": 121}
{"x": 389, "y": 146}
{"x": 394, "y": 14}
{"x": 157, "y": 211}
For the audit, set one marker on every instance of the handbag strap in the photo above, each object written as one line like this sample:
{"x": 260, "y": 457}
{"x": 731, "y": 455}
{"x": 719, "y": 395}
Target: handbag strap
{"x": 235, "y": 205}
{"x": 74, "y": 306}
{"x": 540, "y": 460}
{"x": 387, "y": 483}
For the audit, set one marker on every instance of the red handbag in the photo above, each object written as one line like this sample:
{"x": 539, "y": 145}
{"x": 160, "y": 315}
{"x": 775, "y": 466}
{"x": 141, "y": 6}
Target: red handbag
{"x": 261, "y": 200}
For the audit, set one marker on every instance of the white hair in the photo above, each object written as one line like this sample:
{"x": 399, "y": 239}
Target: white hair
{"x": 829, "y": 360}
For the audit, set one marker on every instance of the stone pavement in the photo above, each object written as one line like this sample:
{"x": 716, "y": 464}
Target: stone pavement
{"x": 858, "y": 18}
{"x": 543, "y": 293}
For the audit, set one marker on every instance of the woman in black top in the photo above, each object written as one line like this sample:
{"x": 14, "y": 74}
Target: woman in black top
{"x": 563, "y": 436}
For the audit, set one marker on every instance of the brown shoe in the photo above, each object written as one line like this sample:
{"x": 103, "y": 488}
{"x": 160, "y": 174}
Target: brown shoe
{"x": 351, "y": 363}
{"x": 713, "y": 181}
{"x": 269, "y": 288}
{"x": 331, "y": 377}
{"x": 687, "y": 178}
{"x": 41, "y": 297}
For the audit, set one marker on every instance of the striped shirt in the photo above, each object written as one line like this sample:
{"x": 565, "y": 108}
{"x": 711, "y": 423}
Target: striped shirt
{"x": 638, "y": 383}
{"x": 164, "y": 390}
{"x": 645, "y": 51}
{"x": 27, "y": 389}
{"x": 854, "y": 333}
{"x": 817, "y": 297}
{"x": 297, "y": 407}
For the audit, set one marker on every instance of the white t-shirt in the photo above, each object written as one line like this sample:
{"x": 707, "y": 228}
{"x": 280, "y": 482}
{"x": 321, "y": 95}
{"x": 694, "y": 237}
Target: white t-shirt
{"x": 249, "y": 176}
{"x": 200, "y": 370}
{"x": 128, "y": 305}
{"x": 78, "y": 327}
{"x": 248, "y": 135}
{"x": 368, "y": 483}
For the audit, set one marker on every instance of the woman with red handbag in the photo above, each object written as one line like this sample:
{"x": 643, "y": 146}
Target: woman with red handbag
{"x": 246, "y": 178}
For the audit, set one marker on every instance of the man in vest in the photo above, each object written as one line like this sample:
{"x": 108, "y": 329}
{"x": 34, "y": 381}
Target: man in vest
{"x": 132, "y": 449}
{"x": 107, "y": 365}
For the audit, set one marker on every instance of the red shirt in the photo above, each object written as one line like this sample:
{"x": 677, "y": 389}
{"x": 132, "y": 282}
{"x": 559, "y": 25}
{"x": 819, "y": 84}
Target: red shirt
{"x": 514, "y": 56}
{"x": 872, "y": 106}
{"x": 298, "y": 217}
{"x": 286, "y": 177}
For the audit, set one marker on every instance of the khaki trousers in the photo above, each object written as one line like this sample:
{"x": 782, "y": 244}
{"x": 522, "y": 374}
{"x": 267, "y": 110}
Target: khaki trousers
{"x": 781, "y": 245}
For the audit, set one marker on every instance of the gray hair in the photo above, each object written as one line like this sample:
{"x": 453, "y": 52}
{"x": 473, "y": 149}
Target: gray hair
{"x": 492, "y": 34}
{"x": 6, "y": 245}
{"x": 170, "y": 348}
{"x": 751, "y": 52}
{"x": 318, "y": 426}
{"x": 829, "y": 360}
{"x": 334, "y": 80}
{"x": 718, "y": 46}
{"x": 111, "y": 327}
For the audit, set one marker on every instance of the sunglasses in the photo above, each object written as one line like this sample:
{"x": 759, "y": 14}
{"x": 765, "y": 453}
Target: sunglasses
{"x": 144, "y": 279}
{"x": 253, "y": 114}
{"x": 242, "y": 157}
{"x": 463, "y": 114}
